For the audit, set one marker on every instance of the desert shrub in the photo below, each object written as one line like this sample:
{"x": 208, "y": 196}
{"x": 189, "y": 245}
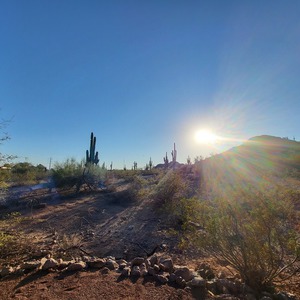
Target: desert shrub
{"x": 169, "y": 189}
{"x": 253, "y": 233}
{"x": 67, "y": 174}
{"x": 71, "y": 173}
{"x": 25, "y": 173}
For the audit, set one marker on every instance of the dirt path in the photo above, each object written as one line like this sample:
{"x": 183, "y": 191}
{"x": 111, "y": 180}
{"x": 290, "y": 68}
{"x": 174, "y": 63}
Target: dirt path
{"x": 103, "y": 224}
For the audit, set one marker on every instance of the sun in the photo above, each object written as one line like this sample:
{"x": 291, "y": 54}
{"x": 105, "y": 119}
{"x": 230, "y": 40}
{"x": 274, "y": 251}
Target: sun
{"x": 205, "y": 136}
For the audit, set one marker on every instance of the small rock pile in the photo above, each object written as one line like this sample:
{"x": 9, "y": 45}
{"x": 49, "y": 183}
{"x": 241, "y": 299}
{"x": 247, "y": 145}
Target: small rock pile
{"x": 162, "y": 269}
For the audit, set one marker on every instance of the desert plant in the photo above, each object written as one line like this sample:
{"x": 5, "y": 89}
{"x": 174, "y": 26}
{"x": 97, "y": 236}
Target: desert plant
{"x": 67, "y": 174}
{"x": 92, "y": 156}
{"x": 252, "y": 232}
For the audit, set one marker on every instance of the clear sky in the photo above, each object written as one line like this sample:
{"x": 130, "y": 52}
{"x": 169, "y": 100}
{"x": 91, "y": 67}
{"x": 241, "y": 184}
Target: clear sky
{"x": 145, "y": 74}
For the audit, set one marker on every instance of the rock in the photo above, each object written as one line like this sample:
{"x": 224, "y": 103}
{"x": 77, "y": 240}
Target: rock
{"x": 96, "y": 263}
{"x": 125, "y": 272}
{"x": 153, "y": 260}
{"x": 5, "y": 271}
{"x": 122, "y": 266}
{"x": 265, "y": 298}
{"x": 172, "y": 277}
{"x": 184, "y": 272}
{"x": 156, "y": 268}
{"x": 225, "y": 285}
{"x": 206, "y": 272}
{"x": 180, "y": 281}
{"x": 162, "y": 278}
{"x": 49, "y": 263}
{"x": 148, "y": 263}
{"x": 30, "y": 265}
{"x": 111, "y": 264}
{"x": 197, "y": 282}
{"x": 62, "y": 264}
{"x": 135, "y": 271}
{"x": 143, "y": 269}
{"x": 137, "y": 261}
{"x": 211, "y": 286}
{"x": 166, "y": 265}
{"x": 105, "y": 271}
{"x": 151, "y": 271}
{"x": 121, "y": 262}
{"x": 76, "y": 266}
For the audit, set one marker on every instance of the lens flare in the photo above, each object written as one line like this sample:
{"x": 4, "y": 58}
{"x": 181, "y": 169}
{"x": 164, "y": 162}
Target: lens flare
{"x": 205, "y": 136}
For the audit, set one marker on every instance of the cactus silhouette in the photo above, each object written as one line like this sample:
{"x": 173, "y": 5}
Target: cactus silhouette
{"x": 166, "y": 161}
{"x": 174, "y": 154}
{"x": 92, "y": 156}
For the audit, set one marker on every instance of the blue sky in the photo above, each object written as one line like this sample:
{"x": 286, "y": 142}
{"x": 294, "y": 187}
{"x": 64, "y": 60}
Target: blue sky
{"x": 144, "y": 74}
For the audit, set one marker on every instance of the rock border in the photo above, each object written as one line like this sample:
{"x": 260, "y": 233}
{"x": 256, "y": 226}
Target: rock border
{"x": 161, "y": 268}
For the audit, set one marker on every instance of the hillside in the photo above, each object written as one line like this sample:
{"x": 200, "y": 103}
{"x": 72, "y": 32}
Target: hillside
{"x": 260, "y": 159}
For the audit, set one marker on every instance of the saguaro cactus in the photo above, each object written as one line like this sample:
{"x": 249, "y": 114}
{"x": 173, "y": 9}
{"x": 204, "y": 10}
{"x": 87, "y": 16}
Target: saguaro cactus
{"x": 166, "y": 161}
{"x": 92, "y": 156}
{"x": 150, "y": 163}
{"x": 188, "y": 160}
{"x": 174, "y": 154}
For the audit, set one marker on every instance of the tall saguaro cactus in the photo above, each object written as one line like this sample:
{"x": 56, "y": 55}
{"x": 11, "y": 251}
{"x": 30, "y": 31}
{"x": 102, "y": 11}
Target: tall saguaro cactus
{"x": 150, "y": 163}
{"x": 174, "y": 154}
{"x": 92, "y": 156}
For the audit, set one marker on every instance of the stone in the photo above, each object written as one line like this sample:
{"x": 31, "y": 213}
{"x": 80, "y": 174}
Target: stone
{"x": 135, "y": 271}
{"x": 180, "y": 281}
{"x": 143, "y": 269}
{"x": 30, "y": 265}
{"x": 148, "y": 263}
{"x": 151, "y": 271}
{"x": 153, "y": 260}
{"x": 122, "y": 261}
{"x": 197, "y": 282}
{"x": 156, "y": 268}
{"x": 225, "y": 285}
{"x": 96, "y": 263}
{"x": 49, "y": 263}
{"x": 172, "y": 277}
{"x": 76, "y": 266}
{"x": 63, "y": 264}
{"x": 211, "y": 285}
{"x": 111, "y": 264}
{"x": 105, "y": 271}
{"x": 184, "y": 272}
{"x": 5, "y": 271}
{"x": 137, "y": 261}
{"x": 162, "y": 278}
{"x": 125, "y": 272}
{"x": 166, "y": 265}
{"x": 122, "y": 266}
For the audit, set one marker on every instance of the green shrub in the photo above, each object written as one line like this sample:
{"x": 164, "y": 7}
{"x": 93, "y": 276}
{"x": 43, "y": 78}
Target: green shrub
{"x": 253, "y": 233}
{"x": 71, "y": 173}
{"x": 67, "y": 174}
{"x": 169, "y": 189}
